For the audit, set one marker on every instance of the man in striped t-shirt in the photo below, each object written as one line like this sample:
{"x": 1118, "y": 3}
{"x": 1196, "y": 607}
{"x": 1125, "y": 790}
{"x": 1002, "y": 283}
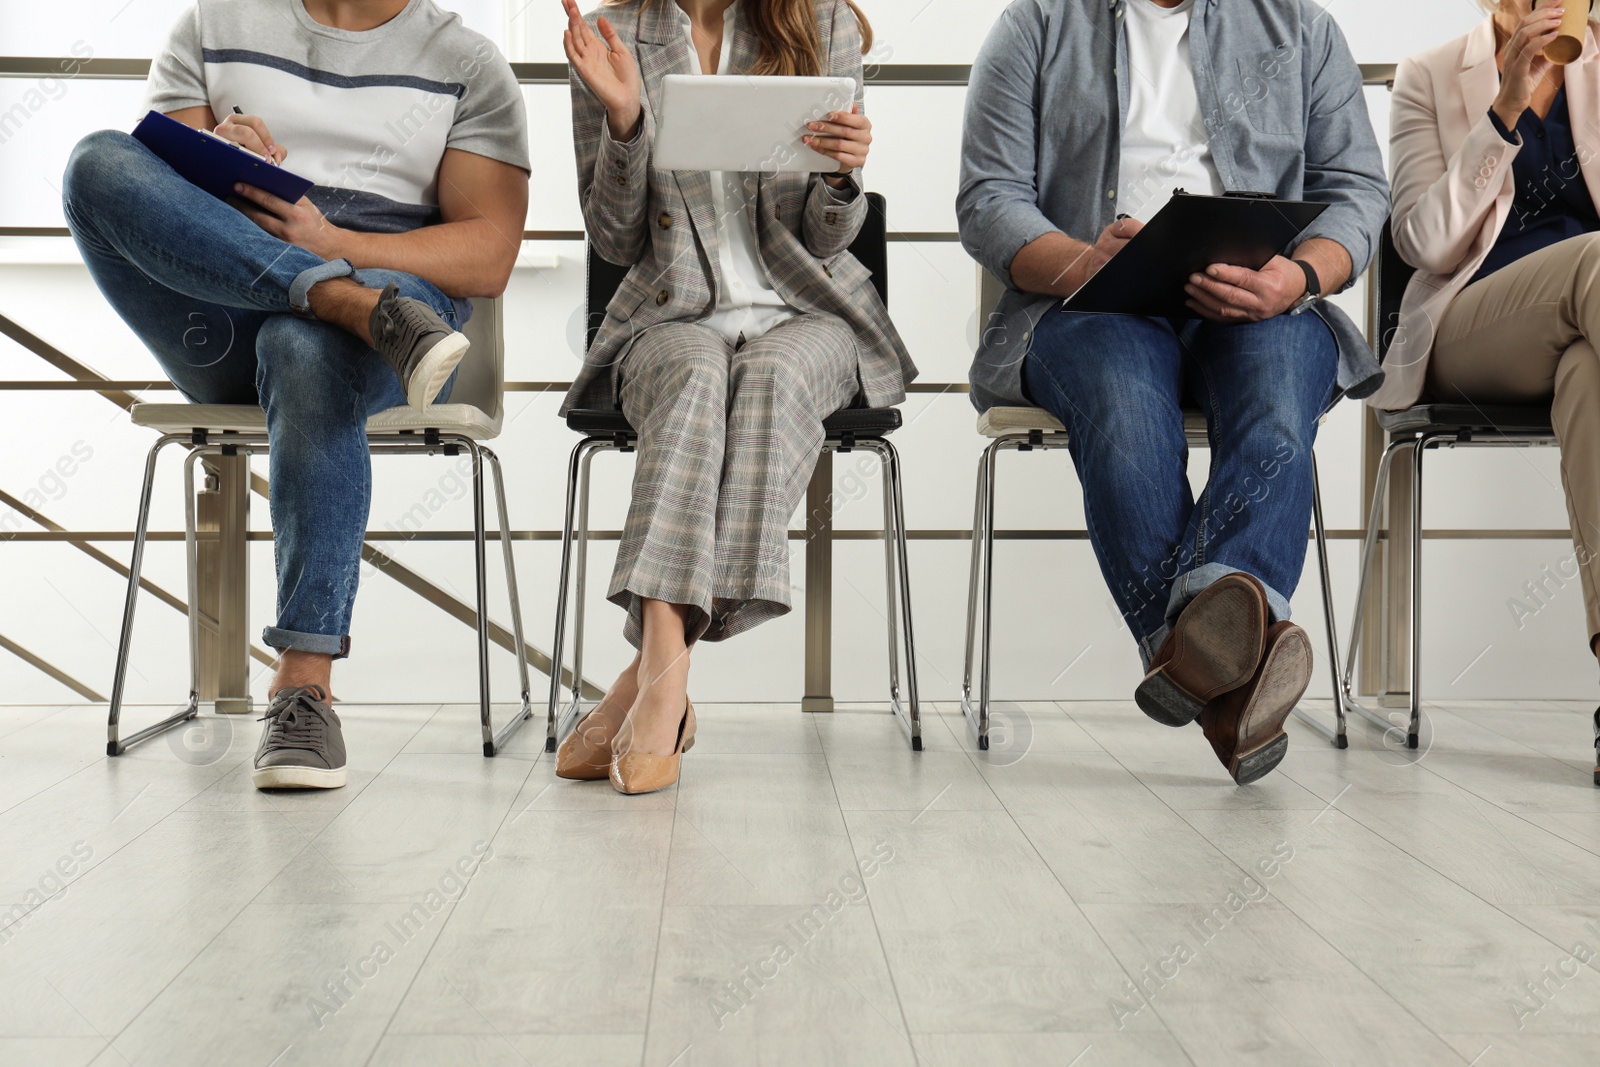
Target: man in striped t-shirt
{"x": 325, "y": 311}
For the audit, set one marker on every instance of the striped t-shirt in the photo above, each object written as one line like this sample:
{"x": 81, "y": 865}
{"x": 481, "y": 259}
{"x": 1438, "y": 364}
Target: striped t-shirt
{"x": 365, "y": 115}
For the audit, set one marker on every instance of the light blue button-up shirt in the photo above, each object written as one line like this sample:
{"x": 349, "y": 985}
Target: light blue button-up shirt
{"x": 1284, "y": 112}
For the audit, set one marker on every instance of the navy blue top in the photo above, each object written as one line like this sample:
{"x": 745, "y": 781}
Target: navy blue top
{"x": 1552, "y": 203}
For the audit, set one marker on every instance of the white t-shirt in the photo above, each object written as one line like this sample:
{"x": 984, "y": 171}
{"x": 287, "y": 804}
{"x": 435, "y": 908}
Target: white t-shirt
{"x": 1164, "y": 144}
{"x": 746, "y": 304}
{"x": 367, "y": 115}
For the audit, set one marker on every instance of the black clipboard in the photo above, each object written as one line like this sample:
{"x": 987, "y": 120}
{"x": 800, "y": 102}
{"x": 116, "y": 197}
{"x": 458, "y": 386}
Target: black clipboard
{"x": 1186, "y": 236}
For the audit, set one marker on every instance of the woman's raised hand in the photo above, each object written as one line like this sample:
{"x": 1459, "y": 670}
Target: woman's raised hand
{"x": 607, "y": 68}
{"x": 1523, "y": 65}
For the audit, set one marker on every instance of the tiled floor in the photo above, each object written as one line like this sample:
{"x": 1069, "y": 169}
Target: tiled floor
{"x": 812, "y": 893}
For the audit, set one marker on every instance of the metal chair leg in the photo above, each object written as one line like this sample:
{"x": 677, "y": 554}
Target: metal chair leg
{"x": 1337, "y": 734}
{"x": 481, "y": 582}
{"x": 520, "y": 645}
{"x": 581, "y": 591}
{"x": 560, "y": 715}
{"x": 978, "y": 717}
{"x": 191, "y": 552}
{"x": 892, "y": 600}
{"x": 1363, "y": 584}
{"x": 116, "y": 745}
{"x": 1413, "y": 731}
{"x": 551, "y": 723}
{"x": 973, "y": 575}
{"x": 897, "y": 564}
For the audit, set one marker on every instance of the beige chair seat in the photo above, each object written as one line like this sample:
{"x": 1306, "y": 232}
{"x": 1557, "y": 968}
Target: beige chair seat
{"x": 467, "y": 419}
{"x": 1002, "y": 422}
{"x": 998, "y": 422}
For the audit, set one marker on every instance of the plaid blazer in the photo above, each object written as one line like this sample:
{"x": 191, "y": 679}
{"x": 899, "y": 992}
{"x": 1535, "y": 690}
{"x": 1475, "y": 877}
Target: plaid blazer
{"x": 664, "y": 222}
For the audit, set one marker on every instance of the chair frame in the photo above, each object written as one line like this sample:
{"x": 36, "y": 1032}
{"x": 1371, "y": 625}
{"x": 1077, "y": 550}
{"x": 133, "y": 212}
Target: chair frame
{"x": 204, "y": 442}
{"x": 1419, "y": 443}
{"x": 980, "y": 586}
{"x": 563, "y": 715}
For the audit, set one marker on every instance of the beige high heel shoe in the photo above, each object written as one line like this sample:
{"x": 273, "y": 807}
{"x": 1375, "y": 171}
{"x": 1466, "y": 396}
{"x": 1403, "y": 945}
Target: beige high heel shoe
{"x": 646, "y": 772}
{"x": 580, "y": 759}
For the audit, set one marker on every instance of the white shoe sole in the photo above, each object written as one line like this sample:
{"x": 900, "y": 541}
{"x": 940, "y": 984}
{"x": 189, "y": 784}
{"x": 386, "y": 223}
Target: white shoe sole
{"x": 297, "y": 778}
{"x": 435, "y": 369}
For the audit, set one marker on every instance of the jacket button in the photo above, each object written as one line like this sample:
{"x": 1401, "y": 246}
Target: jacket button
{"x": 827, "y": 270}
{"x": 832, "y": 217}
{"x": 661, "y": 298}
{"x": 1481, "y": 184}
{"x": 621, "y": 180}
{"x": 665, "y": 221}
{"x": 777, "y": 212}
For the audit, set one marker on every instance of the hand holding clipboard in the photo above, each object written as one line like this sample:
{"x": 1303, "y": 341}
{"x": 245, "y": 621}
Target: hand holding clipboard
{"x": 1151, "y": 275}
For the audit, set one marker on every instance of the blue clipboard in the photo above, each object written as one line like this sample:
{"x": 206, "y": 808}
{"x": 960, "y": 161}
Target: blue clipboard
{"x": 213, "y": 164}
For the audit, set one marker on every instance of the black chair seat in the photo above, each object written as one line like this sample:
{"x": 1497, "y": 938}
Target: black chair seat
{"x": 860, "y": 422}
{"x": 1455, "y": 418}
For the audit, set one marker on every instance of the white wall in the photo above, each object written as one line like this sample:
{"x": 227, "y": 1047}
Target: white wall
{"x": 1052, "y": 603}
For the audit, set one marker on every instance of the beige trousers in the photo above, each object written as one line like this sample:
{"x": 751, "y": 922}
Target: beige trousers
{"x": 1525, "y": 334}
{"x": 728, "y": 440}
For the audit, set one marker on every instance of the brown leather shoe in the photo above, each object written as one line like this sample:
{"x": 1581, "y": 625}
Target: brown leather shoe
{"x": 1214, "y": 647}
{"x": 1245, "y": 726}
{"x": 646, "y": 772}
{"x": 585, "y": 755}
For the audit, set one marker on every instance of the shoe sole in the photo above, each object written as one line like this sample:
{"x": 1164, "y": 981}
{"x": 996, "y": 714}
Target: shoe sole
{"x": 1284, "y": 678}
{"x": 298, "y": 778}
{"x": 435, "y": 368}
{"x": 1220, "y": 640}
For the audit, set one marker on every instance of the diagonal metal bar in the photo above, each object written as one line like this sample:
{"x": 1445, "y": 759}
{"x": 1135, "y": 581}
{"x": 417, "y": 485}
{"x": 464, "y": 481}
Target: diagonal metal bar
{"x": 51, "y": 669}
{"x": 61, "y": 361}
{"x": 410, "y": 579}
{"x": 207, "y": 621}
{"x": 386, "y": 564}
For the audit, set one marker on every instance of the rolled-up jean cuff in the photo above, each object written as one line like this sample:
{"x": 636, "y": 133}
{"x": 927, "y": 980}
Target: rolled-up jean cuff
{"x": 300, "y": 288}
{"x": 1186, "y": 588}
{"x": 337, "y": 647}
{"x": 1150, "y": 644}
{"x": 1190, "y": 585}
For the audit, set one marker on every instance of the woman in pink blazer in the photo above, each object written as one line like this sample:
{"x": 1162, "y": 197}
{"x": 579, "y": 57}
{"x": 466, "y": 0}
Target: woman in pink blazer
{"x": 1495, "y": 153}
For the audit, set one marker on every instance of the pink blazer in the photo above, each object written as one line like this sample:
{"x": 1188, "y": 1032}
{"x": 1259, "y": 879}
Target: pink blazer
{"x": 1452, "y": 184}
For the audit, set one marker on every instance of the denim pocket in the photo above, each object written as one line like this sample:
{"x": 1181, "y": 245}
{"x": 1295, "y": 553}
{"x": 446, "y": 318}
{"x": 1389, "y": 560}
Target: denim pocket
{"x": 1269, "y": 91}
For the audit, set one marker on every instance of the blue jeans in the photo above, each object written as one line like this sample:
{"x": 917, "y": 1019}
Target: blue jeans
{"x": 1118, "y": 384}
{"x": 222, "y": 305}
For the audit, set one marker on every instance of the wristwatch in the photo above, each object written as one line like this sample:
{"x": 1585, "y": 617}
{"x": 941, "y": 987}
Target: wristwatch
{"x": 1313, "y": 288}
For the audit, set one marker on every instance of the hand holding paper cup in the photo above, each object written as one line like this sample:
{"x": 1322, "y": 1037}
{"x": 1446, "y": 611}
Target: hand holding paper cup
{"x": 1568, "y": 44}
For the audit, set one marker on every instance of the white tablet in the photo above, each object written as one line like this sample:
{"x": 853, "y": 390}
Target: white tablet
{"x": 743, "y": 122}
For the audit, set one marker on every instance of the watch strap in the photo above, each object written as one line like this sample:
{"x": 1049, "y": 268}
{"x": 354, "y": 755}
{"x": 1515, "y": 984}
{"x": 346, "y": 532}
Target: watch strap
{"x": 1313, "y": 283}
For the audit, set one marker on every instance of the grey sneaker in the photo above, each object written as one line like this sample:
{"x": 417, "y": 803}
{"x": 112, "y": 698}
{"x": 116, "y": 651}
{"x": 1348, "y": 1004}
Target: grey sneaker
{"x": 418, "y": 344}
{"x": 302, "y": 746}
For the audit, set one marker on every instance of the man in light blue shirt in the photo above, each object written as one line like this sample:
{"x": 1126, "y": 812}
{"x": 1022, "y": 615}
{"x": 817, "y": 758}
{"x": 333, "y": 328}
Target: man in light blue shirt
{"x": 1082, "y": 117}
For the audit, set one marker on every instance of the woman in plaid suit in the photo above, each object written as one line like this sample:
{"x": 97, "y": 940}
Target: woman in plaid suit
{"x": 743, "y": 323}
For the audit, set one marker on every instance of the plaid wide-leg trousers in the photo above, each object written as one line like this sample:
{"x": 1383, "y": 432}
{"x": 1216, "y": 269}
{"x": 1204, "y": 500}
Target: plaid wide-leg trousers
{"x": 728, "y": 438}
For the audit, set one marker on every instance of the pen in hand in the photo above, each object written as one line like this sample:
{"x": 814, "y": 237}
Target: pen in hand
{"x": 270, "y": 157}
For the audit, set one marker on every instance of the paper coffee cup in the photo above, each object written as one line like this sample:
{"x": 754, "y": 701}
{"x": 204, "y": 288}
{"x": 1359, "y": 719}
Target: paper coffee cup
{"x": 1574, "y": 25}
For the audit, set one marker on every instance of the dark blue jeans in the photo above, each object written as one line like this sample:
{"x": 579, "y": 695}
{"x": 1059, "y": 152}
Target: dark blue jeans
{"x": 215, "y": 299}
{"x": 1118, "y": 383}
